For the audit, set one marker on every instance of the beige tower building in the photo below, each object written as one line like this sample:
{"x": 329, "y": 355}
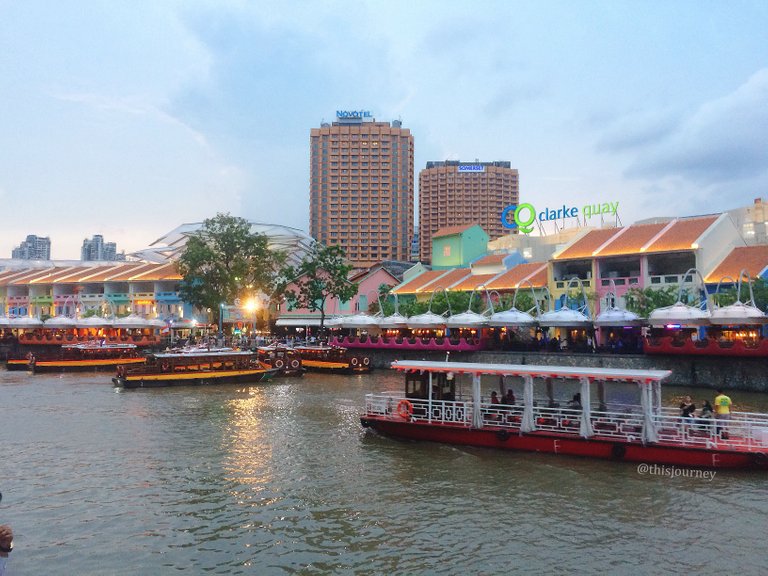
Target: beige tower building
{"x": 453, "y": 193}
{"x": 362, "y": 187}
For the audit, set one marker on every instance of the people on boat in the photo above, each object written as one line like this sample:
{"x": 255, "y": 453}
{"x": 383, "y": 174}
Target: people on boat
{"x": 494, "y": 398}
{"x": 575, "y": 402}
{"x": 6, "y": 545}
{"x": 509, "y": 397}
{"x": 706, "y": 409}
{"x": 722, "y": 412}
{"x": 687, "y": 408}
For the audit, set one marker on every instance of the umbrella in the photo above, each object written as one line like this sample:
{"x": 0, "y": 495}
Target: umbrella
{"x": 25, "y": 322}
{"x": 426, "y": 320}
{"x": 617, "y": 317}
{"x": 394, "y": 321}
{"x": 738, "y": 313}
{"x": 358, "y": 321}
{"x": 93, "y": 322}
{"x": 60, "y": 322}
{"x": 466, "y": 320}
{"x": 679, "y": 313}
{"x": 511, "y": 317}
{"x": 132, "y": 321}
{"x": 564, "y": 317}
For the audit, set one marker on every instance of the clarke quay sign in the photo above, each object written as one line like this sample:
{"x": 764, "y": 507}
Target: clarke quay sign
{"x": 524, "y": 215}
{"x": 353, "y": 114}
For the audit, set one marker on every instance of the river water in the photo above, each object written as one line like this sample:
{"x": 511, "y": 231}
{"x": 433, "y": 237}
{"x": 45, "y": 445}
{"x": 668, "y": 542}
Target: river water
{"x": 280, "y": 478}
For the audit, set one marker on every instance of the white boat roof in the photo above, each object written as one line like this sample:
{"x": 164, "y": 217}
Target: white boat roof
{"x": 574, "y": 372}
{"x": 203, "y": 354}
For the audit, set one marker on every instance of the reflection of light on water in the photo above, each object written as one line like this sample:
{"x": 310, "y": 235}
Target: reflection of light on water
{"x": 245, "y": 443}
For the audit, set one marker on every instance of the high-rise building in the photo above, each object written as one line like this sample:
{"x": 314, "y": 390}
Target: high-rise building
{"x": 362, "y": 187}
{"x": 454, "y": 193}
{"x": 97, "y": 249}
{"x": 33, "y": 248}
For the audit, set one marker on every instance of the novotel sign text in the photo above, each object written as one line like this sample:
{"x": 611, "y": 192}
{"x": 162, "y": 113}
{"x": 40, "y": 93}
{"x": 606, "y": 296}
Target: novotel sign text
{"x": 524, "y": 215}
{"x": 348, "y": 114}
{"x": 471, "y": 168}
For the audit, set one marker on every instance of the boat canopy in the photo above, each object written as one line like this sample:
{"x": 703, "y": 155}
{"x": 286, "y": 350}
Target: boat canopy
{"x": 602, "y": 374}
{"x": 93, "y": 322}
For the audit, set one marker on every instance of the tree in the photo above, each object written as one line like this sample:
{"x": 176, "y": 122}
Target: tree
{"x": 224, "y": 260}
{"x": 643, "y": 302}
{"x": 323, "y": 274}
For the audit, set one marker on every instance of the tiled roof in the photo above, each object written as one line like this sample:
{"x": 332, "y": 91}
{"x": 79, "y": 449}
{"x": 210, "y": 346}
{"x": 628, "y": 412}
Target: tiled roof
{"x": 534, "y": 272}
{"x": 490, "y": 260}
{"x": 451, "y": 230}
{"x": 94, "y": 274}
{"x": 26, "y": 276}
{"x": 587, "y": 244}
{"x": 682, "y": 234}
{"x": 420, "y": 280}
{"x": 446, "y": 280}
{"x": 59, "y": 275}
{"x": 630, "y": 240}
{"x": 753, "y": 259}
{"x": 471, "y": 282}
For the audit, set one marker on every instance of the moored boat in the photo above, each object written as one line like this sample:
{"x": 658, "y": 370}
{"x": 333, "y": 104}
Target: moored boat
{"x": 91, "y": 356}
{"x": 610, "y": 414}
{"x": 283, "y": 358}
{"x": 325, "y": 358}
{"x": 224, "y": 366}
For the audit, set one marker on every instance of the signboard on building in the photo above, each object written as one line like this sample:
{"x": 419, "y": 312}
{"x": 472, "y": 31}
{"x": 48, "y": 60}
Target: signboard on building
{"x": 471, "y": 168}
{"x": 353, "y": 114}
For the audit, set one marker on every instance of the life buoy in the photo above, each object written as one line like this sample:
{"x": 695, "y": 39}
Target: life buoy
{"x": 503, "y": 435}
{"x": 404, "y": 409}
{"x": 366, "y": 361}
{"x": 354, "y": 362}
{"x": 295, "y": 364}
{"x": 760, "y": 460}
{"x": 618, "y": 451}
{"x": 279, "y": 364}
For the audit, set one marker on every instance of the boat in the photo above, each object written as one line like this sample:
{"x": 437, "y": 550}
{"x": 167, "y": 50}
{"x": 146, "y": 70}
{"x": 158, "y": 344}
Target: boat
{"x": 90, "y": 356}
{"x": 327, "y": 358}
{"x": 285, "y": 359}
{"x": 612, "y": 414}
{"x": 186, "y": 367}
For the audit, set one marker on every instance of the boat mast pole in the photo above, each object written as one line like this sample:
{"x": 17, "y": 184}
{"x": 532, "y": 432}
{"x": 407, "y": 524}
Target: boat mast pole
{"x": 429, "y": 399}
{"x": 477, "y": 415}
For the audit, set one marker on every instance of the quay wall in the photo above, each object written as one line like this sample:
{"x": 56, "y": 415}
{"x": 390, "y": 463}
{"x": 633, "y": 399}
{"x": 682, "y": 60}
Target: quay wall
{"x": 701, "y": 371}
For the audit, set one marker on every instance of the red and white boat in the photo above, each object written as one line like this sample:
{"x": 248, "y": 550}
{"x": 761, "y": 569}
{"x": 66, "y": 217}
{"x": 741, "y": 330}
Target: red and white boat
{"x": 595, "y": 412}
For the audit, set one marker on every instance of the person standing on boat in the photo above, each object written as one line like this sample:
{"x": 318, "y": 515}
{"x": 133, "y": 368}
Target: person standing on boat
{"x": 722, "y": 412}
{"x": 687, "y": 408}
{"x": 6, "y": 545}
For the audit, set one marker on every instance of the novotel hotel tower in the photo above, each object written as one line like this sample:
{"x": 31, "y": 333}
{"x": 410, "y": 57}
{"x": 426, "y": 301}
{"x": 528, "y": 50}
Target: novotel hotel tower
{"x": 362, "y": 187}
{"x": 455, "y": 193}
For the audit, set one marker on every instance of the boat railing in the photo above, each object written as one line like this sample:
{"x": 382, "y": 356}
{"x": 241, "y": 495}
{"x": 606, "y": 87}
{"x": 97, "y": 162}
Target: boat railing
{"x": 745, "y": 431}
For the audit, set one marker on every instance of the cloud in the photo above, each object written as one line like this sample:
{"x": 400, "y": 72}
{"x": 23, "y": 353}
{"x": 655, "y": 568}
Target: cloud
{"x": 722, "y": 141}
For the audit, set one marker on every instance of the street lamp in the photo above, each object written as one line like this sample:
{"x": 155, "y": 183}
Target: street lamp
{"x": 252, "y": 306}
{"x": 221, "y": 321}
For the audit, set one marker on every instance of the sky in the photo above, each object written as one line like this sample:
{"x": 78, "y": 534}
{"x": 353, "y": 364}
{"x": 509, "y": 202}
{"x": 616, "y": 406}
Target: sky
{"x": 129, "y": 118}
